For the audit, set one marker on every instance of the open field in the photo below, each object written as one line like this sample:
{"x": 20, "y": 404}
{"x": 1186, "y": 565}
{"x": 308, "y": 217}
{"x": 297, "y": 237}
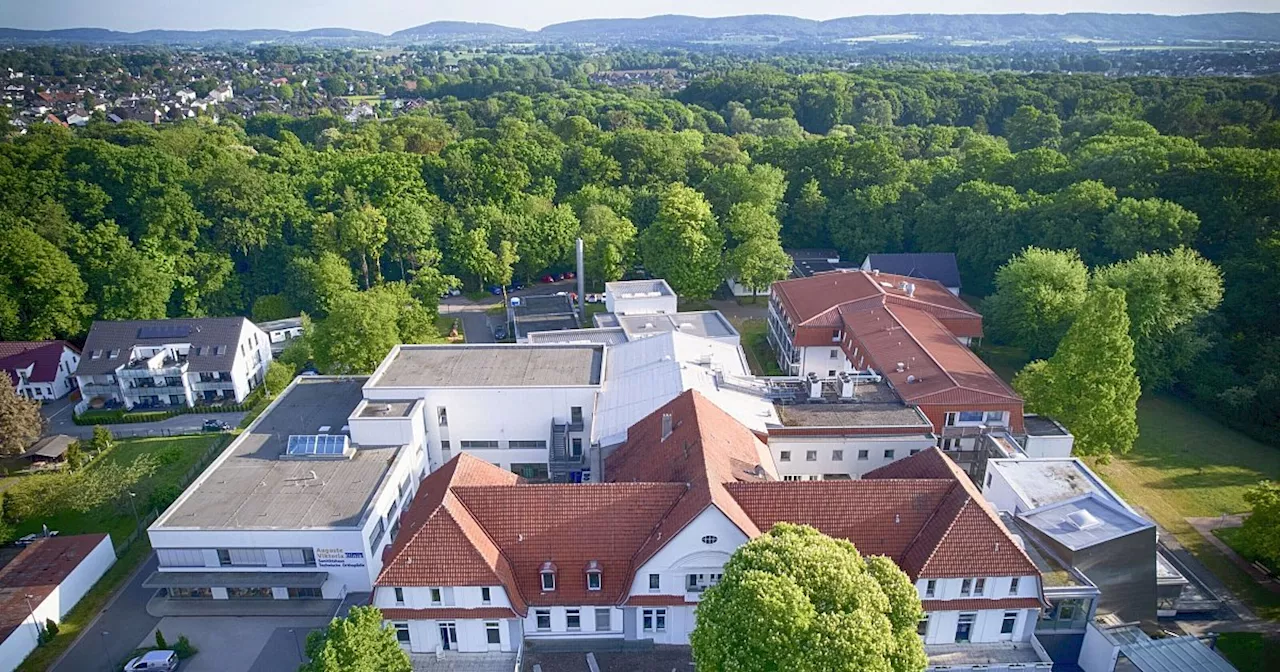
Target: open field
{"x": 1184, "y": 464}
{"x": 1249, "y": 651}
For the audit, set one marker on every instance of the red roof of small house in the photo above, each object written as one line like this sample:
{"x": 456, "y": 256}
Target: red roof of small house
{"x": 38, "y": 571}
{"x": 473, "y": 524}
{"x": 46, "y": 355}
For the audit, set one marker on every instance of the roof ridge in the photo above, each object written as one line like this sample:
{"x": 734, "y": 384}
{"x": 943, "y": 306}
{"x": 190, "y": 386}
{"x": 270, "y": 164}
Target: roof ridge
{"x": 920, "y": 533}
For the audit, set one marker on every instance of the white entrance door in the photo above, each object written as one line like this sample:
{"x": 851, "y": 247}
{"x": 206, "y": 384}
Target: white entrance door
{"x": 449, "y": 636}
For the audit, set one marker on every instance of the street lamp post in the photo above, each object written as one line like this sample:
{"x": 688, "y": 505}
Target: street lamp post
{"x": 34, "y": 620}
{"x": 132, "y": 496}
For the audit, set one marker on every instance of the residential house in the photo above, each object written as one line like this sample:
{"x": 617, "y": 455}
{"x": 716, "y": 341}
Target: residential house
{"x": 281, "y": 332}
{"x": 179, "y": 362}
{"x": 485, "y": 561}
{"x": 43, "y": 370}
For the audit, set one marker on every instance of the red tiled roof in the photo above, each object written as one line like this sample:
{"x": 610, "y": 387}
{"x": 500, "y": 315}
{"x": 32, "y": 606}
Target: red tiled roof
{"x": 481, "y": 612}
{"x": 472, "y": 524}
{"x": 964, "y": 532}
{"x": 808, "y": 298}
{"x": 38, "y": 571}
{"x": 570, "y": 525}
{"x": 657, "y": 601}
{"x": 46, "y": 355}
{"x": 977, "y": 604}
{"x": 706, "y": 449}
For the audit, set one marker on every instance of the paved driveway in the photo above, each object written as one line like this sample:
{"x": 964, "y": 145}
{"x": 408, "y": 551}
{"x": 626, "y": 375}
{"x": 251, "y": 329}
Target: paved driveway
{"x": 239, "y": 643}
{"x": 125, "y": 622}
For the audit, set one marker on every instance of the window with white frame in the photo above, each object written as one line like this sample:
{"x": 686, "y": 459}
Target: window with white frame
{"x": 888, "y": 454}
{"x": 784, "y": 456}
{"x": 791, "y": 477}
{"x": 548, "y": 575}
{"x": 437, "y": 597}
{"x": 492, "y": 632}
{"x": 573, "y": 619}
{"x": 655, "y": 583}
{"x": 979, "y": 586}
{"x": 993, "y": 417}
{"x": 603, "y": 619}
{"x": 297, "y": 557}
{"x": 923, "y": 626}
{"x": 399, "y": 597}
{"x": 402, "y": 631}
{"x": 834, "y": 353}
{"x": 593, "y": 580}
{"x": 696, "y": 583}
{"x": 930, "y": 587}
{"x": 486, "y": 595}
{"x": 1013, "y": 586}
{"x": 1010, "y": 620}
{"x": 969, "y": 416}
{"x": 810, "y": 456}
{"x": 966, "y": 587}
{"x": 653, "y": 620}
{"x": 542, "y": 619}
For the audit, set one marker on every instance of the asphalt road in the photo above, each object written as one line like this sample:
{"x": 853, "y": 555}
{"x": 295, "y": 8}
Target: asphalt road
{"x": 125, "y": 622}
{"x": 58, "y": 415}
{"x": 477, "y": 324}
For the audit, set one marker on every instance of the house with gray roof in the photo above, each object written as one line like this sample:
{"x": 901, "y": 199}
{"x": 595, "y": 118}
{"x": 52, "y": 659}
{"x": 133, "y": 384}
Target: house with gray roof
{"x": 167, "y": 363}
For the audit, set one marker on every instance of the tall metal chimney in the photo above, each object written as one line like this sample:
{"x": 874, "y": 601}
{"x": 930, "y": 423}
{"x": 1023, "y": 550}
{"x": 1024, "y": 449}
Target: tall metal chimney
{"x": 582, "y": 297}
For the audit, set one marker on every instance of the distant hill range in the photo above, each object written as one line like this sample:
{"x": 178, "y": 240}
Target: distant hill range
{"x": 674, "y": 29}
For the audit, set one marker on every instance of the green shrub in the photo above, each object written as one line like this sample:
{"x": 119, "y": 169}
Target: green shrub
{"x": 160, "y": 643}
{"x": 183, "y": 648}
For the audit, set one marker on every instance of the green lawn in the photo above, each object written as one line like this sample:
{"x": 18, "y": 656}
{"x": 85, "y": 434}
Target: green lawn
{"x": 755, "y": 342}
{"x": 1249, "y": 651}
{"x": 1233, "y": 537}
{"x": 177, "y": 455}
{"x": 1184, "y": 464}
{"x": 589, "y": 311}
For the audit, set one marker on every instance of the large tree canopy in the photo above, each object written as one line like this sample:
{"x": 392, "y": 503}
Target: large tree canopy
{"x": 358, "y": 643}
{"x": 796, "y": 599}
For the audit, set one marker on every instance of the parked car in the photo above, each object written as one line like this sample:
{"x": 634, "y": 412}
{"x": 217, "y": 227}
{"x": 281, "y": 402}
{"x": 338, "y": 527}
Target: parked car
{"x": 548, "y": 279}
{"x": 570, "y": 275}
{"x": 215, "y": 425}
{"x": 153, "y": 661}
{"x": 500, "y": 332}
{"x": 560, "y": 276}
{"x": 595, "y": 298}
{"x": 495, "y": 290}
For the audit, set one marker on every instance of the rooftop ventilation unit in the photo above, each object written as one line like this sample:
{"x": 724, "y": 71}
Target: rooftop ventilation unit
{"x": 1083, "y": 520}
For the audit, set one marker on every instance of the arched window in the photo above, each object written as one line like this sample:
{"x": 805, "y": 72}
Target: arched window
{"x": 548, "y": 573}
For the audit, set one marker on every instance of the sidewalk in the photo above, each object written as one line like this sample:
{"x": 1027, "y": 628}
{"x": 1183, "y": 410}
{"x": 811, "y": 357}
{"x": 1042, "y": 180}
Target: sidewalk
{"x": 1205, "y": 528}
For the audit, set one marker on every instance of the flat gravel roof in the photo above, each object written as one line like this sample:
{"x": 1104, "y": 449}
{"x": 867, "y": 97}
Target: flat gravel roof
{"x": 496, "y": 365}
{"x": 852, "y": 415}
{"x": 250, "y": 487}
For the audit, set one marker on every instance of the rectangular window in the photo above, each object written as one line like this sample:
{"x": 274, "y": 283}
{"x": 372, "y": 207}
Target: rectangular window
{"x": 486, "y": 595}
{"x": 436, "y": 596}
{"x": 516, "y": 445}
{"x": 402, "y": 631}
{"x": 242, "y": 557}
{"x": 603, "y": 620}
{"x": 837, "y": 456}
{"x": 442, "y": 416}
{"x": 966, "y": 587}
{"x": 862, "y": 454}
{"x": 492, "y": 632}
{"x": 969, "y": 416}
{"x": 888, "y": 454}
{"x": 444, "y": 446}
{"x": 790, "y": 477}
{"x": 575, "y": 448}
{"x": 305, "y": 594}
{"x": 930, "y": 588}
{"x": 655, "y": 583}
{"x": 653, "y": 620}
{"x": 375, "y": 535}
{"x": 979, "y": 586}
{"x": 593, "y": 580}
{"x": 548, "y": 581}
{"x": 923, "y": 626}
{"x": 542, "y": 618}
{"x": 834, "y": 353}
{"x": 532, "y": 471}
{"x": 575, "y": 415}
{"x": 811, "y": 456}
{"x": 572, "y": 619}
{"x": 964, "y": 627}
{"x": 1010, "y": 620}
{"x": 784, "y": 456}
{"x": 1013, "y": 586}
{"x": 262, "y": 593}
{"x": 297, "y": 557}
{"x": 831, "y": 373}
{"x": 835, "y": 335}
{"x": 479, "y": 445}
{"x": 994, "y": 417}
{"x": 400, "y": 597}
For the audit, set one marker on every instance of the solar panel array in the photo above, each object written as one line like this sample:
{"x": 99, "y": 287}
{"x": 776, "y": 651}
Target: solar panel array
{"x": 165, "y": 331}
{"x": 317, "y": 444}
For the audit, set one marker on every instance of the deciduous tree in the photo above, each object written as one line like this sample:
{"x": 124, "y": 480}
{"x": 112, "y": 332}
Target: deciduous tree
{"x": 358, "y": 643}
{"x": 1089, "y": 384}
{"x": 1037, "y": 295}
{"x": 796, "y": 599}
{"x": 20, "y": 419}
{"x": 41, "y": 291}
{"x": 684, "y": 243}
{"x": 1261, "y": 530}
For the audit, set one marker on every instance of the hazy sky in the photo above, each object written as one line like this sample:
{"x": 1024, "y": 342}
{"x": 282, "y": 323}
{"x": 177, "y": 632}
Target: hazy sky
{"x": 386, "y": 16}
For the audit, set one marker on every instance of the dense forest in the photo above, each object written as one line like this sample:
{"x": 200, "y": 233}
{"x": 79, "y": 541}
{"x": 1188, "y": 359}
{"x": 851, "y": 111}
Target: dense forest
{"x": 493, "y": 177}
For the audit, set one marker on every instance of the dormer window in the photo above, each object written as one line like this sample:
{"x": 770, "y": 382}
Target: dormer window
{"x": 548, "y": 574}
{"x": 593, "y": 575}
{"x": 96, "y": 354}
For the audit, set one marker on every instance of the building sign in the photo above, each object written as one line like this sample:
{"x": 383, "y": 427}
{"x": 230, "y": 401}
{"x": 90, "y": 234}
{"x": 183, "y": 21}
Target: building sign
{"x": 337, "y": 557}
